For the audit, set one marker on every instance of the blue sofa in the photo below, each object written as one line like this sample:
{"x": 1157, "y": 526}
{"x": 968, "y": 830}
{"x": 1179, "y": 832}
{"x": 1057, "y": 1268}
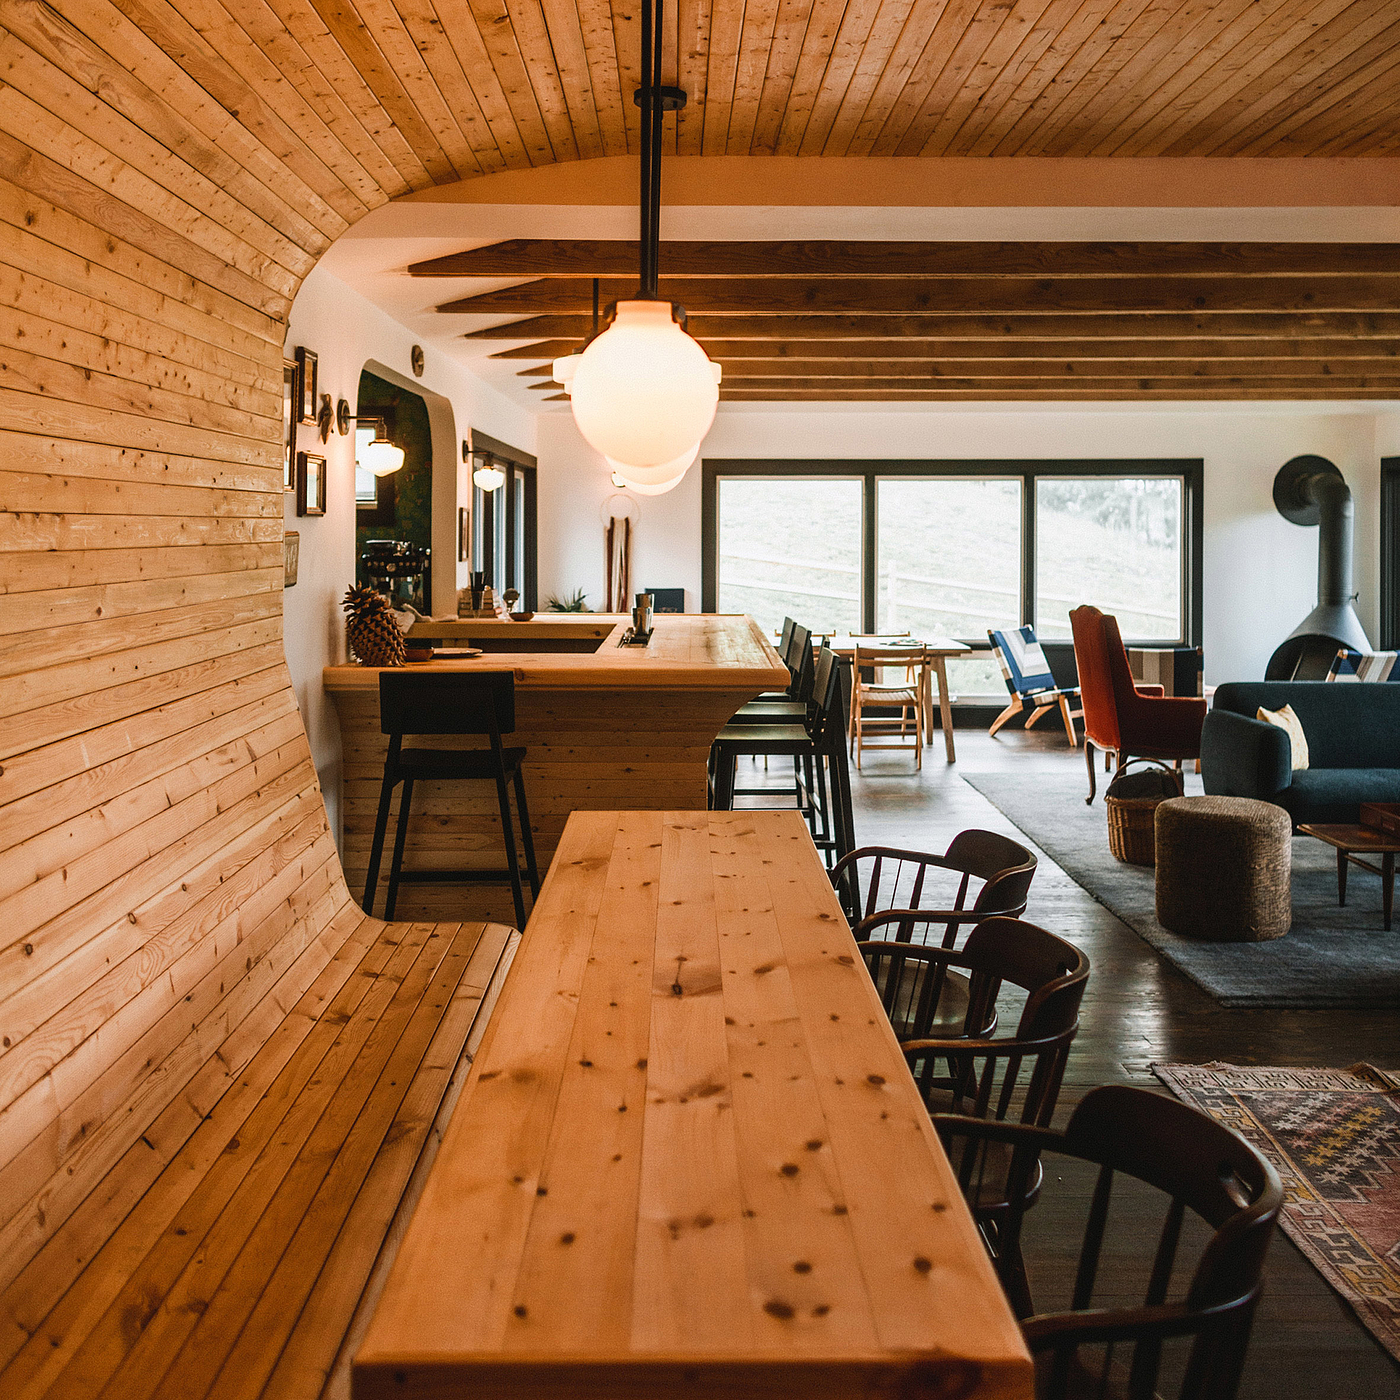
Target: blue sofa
{"x": 1353, "y": 734}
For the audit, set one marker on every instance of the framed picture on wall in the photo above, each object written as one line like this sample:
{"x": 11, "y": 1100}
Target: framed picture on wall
{"x": 464, "y": 534}
{"x": 289, "y": 425}
{"x": 306, "y": 384}
{"x": 311, "y": 483}
{"x": 291, "y": 557}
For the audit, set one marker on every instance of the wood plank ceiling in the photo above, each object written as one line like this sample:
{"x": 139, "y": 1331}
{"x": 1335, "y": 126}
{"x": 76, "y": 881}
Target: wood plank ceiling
{"x": 955, "y": 321}
{"x": 451, "y": 91}
{"x": 935, "y": 78}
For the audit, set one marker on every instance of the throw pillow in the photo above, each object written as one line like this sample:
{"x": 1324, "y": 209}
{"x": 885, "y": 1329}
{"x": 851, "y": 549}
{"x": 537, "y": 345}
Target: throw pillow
{"x": 1291, "y": 725}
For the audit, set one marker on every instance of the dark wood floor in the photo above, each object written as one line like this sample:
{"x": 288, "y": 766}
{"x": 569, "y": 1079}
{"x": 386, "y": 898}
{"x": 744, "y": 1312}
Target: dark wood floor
{"x": 1138, "y": 1010}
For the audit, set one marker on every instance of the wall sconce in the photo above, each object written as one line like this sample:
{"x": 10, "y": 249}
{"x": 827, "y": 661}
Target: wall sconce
{"x": 490, "y": 477}
{"x": 380, "y": 456}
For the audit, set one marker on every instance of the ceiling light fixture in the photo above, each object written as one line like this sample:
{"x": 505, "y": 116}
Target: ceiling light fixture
{"x": 643, "y": 392}
{"x": 489, "y": 476}
{"x": 652, "y": 481}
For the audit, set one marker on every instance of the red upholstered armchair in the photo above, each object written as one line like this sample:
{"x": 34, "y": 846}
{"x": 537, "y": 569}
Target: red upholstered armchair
{"x": 1120, "y": 717}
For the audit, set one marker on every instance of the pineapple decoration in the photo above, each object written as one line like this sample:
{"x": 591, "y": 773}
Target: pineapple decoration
{"x": 372, "y": 629}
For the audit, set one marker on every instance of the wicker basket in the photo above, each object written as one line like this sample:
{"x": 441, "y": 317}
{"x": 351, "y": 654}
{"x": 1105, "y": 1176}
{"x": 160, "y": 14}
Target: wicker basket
{"x": 1131, "y": 820}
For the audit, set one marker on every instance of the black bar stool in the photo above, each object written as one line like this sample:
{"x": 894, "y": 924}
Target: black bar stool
{"x": 818, "y": 747}
{"x": 449, "y": 702}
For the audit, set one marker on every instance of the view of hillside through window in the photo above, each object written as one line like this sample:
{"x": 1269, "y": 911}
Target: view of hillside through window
{"x": 790, "y": 546}
{"x": 1115, "y": 542}
{"x": 948, "y": 556}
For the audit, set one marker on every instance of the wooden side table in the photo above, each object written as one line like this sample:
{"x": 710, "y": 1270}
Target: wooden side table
{"x": 1352, "y": 841}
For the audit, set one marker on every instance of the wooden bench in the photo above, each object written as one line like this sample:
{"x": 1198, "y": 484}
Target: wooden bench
{"x": 230, "y": 1249}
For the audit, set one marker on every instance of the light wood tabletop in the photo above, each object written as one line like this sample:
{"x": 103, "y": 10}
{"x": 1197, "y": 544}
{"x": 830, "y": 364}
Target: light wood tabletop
{"x": 689, "y": 1158}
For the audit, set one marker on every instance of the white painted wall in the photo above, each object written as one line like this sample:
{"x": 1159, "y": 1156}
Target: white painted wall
{"x": 1260, "y": 571}
{"x": 349, "y": 334}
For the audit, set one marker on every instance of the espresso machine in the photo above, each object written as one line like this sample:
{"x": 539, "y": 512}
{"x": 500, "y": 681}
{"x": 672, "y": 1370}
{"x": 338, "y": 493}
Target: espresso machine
{"x": 398, "y": 568}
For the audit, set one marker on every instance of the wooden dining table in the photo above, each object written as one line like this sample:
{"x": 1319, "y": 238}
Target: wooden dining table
{"x": 936, "y": 651}
{"x": 689, "y": 1159}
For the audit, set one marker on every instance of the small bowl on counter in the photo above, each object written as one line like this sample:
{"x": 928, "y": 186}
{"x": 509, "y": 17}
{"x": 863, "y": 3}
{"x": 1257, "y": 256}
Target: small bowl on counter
{"x": 422, "y": 652}
{"x": 521, "y": 616}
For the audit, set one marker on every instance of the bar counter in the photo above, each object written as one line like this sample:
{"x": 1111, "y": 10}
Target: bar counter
{"x": 610, "y": 727}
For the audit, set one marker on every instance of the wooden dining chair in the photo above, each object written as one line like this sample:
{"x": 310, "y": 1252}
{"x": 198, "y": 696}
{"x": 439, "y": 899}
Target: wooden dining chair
{"x": 1190, "y": 1163}
{"x": 907, "y": 696}
{"x": 876, "y": 879}
{"x": 967, "y": 1068}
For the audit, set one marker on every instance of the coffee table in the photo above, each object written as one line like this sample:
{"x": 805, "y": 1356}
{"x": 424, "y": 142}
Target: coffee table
{"x": 1351, "y": 841}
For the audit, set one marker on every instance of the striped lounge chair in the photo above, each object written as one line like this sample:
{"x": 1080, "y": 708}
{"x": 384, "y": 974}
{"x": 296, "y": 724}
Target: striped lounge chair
{"x": 1349, "y": 665}
{"x": 1028, "y": 678}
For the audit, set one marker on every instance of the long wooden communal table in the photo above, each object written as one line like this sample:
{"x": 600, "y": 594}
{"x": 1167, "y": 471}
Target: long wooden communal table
{"x": 605, "y": 728}
{"x": 689, "y": 1159}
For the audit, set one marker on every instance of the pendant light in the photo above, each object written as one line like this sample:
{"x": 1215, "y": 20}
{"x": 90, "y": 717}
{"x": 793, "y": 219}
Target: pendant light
{"x": 671, "y": 471}
{"x": 660, "y": 489}
{"x": 643, "y": 392}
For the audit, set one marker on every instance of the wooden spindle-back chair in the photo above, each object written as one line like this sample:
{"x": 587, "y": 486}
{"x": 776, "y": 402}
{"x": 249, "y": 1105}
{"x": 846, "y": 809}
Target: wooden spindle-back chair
{"x": 965, "y": 1068}
{"x": 876, "y": 879}
{"x": 1198, "y": 1166}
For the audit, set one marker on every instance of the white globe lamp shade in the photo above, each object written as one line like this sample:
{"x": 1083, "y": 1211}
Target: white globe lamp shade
{"x": 489, "y": 478}
{"x": 659, "y": 488}
{"x": 644, "y": 392}
{"x": 562, "y": 370}
{"x": 671, "y": 471}
{"x": 381, "y": 457}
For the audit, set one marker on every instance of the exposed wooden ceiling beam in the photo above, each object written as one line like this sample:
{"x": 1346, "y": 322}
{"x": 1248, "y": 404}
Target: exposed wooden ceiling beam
{"x": 1029, "y": 395}
{"x": 1047, "y": 368}
{"x": 1129, "y": 325}
{"x": 729, "y": 349}
{"x": 973, "y": 295}
{"x": 568, "y": 257}
{"x": 546, "y": 349}
{"x": 1299, "y": 385}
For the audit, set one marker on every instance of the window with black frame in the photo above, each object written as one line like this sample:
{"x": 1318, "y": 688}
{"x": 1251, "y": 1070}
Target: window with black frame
{"x": 957, "y": 548}
{"x": 503, "y": 517}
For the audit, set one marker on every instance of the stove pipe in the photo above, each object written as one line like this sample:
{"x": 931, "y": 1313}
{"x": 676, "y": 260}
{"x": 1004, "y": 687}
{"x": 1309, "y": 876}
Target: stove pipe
{"x": 1310, "y": 491}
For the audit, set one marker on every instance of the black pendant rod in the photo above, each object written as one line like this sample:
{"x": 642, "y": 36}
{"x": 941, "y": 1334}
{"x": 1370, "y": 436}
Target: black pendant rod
{"x": 658, "y": 111}
{"x": 655, "y": 101}
{"x": 647, "y": 288}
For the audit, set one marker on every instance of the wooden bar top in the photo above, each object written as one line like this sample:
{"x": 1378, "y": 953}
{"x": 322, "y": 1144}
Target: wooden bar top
{"x": 688, "y": 651}
{"x": 689, "y": 1158}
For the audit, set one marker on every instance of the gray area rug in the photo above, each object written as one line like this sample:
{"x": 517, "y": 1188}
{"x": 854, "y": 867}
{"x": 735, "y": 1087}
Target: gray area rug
{"x": 1331, "y": 957}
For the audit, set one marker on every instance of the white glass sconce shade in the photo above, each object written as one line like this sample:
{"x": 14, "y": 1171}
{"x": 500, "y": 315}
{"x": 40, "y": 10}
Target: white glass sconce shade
{"x": 489, "y": 478}
{"x": 382, "y": 457}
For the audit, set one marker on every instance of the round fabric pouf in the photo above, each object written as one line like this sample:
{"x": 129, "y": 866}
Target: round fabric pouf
{"x": 1223, "y": 865}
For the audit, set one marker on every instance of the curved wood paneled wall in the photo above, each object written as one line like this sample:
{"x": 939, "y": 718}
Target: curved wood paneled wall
{"x": 168, "y": 883}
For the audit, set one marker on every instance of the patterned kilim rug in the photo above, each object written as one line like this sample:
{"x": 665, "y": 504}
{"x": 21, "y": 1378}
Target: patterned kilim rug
{"x": 1334, "y": 1135}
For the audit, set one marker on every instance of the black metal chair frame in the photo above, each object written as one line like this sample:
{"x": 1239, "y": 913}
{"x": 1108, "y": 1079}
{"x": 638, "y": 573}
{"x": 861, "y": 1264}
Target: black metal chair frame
{"x": 1005, "y": 867}
{"x": 821, "y": 787}
{"x": 1203, "y": 1167}
{"x": 443, "y": 703}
